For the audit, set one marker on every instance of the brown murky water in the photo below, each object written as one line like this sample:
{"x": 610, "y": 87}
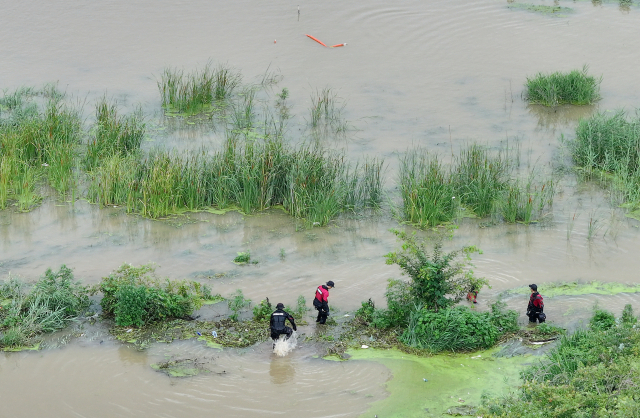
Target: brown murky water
{"x": 438, "y": 74}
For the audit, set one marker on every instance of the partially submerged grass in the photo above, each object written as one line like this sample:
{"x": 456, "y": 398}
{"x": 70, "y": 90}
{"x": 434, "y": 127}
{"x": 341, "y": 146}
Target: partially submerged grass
{"x": 478, "y": 183}
{"x": 607, "y": 148}
{"x": 541, "y": 8}
{"x": 113, "y": 134}
{"x": 195, "y": 92}
{"x": 325, "y": 113}
{"x": 39, "y": 134}
{"x": 575, "y": 87}
{"x": 311, "y": 183}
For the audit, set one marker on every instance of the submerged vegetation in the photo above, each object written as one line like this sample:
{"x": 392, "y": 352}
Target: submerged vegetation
{"x": 478, "y": 183}
{"x": 591, "y": 373}
{"x": 575, "y": 88}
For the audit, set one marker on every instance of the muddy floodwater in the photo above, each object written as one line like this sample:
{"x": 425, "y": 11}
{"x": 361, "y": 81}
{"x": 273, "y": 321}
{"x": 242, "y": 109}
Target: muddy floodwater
{"x": 439, "y": 74}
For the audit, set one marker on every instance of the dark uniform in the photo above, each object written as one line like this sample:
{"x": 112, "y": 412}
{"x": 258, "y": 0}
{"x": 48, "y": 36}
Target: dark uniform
{"x": 535, "y": 309}
{"x": 278, "y": 326}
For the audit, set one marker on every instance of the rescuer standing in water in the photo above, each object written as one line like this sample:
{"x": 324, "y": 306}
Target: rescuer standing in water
{"x": 321, "y": 301}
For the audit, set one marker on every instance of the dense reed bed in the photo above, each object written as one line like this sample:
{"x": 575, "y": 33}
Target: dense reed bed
{"x": 478, "y": 183}
{"x": 575, "y": 87}
{"x": 607, "y": 147}
{"x": 311, "y": 183}
{"x": 39, "y": 134}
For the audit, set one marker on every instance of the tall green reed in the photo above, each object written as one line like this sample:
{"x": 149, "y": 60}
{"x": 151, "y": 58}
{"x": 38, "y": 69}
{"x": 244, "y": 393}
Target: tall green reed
{"x": 575, "y": 87}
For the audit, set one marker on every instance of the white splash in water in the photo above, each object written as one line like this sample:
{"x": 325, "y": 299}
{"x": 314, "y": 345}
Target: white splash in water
{"x": 283, "y": 346}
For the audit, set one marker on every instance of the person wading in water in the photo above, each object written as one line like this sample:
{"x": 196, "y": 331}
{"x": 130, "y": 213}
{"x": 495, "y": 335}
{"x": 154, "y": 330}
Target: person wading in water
{"x": 278, "y": 327}
{"x": 536, "y": 306}
{"x": 321, "y": 301}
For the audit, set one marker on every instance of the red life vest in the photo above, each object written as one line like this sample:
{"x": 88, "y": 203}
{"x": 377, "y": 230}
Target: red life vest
{"x": 322, "y": 294}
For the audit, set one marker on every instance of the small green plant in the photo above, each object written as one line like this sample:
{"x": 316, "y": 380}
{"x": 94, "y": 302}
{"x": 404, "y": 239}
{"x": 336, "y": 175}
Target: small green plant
{"x": 242, "y": 258}
{"x": 628, "y": 319}
{"x": 602, "y": 320}
{"x": 545, "y": 330}
{"x": 237, "y": 302}
{"x": 575, "y": 87}
{"x": 283, "y": 254}
{"x": 262, "y": 311}
{"x": 301, "y": 308}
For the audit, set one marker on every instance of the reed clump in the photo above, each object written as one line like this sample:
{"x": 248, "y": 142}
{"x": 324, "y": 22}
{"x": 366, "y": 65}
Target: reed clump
{"x": 311, "y": 183}
{"x": 326, "y": 113}
{"x": 195, "y": 92}
{"x": 607, "y": 147}
{"x": 478, "y": 183}
{"x": 575, "y": 88}
{"x": 113, "y": 133}
{"x": 39, "y": 134}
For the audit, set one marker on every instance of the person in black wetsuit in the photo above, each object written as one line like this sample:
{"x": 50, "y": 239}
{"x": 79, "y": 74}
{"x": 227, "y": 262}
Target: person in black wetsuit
{"x": 278, "y": 327}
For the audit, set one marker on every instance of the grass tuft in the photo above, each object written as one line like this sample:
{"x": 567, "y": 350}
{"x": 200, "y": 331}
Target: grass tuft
{"x": 575, "y": 87}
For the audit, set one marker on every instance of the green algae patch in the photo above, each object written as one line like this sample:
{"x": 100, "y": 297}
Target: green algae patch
{"x": 210, "y": 341}
{"x": 577, "y": 288}
{"x": 542, "y": 9}
{"x": 430, "y": 386}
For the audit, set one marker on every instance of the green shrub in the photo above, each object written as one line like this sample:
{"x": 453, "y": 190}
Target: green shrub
{"x": 134, "y": 296}
{"x": 301, "y": 308}
{"x": 237, "y": 302}
{"x": 263, "y": 310}
{"x": 242, "y": 258}
{"x": 575, "y": 87}
{"x": 627, "y": 318}
{"x": 438, "y": 280}
{"x": 602, "y": 320}
{"x": 454, "y": 329}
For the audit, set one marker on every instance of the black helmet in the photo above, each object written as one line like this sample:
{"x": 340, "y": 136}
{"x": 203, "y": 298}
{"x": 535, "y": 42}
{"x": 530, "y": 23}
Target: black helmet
{"x": 330, "y": 283}
{"x": 279, "y": 306}
{"x": 534, "y": 287}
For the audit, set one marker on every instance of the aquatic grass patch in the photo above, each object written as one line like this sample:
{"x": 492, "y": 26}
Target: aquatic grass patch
{"x": 39, "y": 135}
{"x": 326, "y": 112}
{"x": 554, "y": 10}
{"x": 53, "y": 302}
{"x": 478, "y": 183}
{"x": 310, "y": 182}
{"x": 195, "y": 92}
{"x": 575, "y": 87}
{"x": 113, "y": 133}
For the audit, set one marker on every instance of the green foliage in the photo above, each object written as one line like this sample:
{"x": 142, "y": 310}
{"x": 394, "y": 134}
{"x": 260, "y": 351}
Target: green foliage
{"x": 457, "y": 329}
{"x": 236, "y": 303}
{"x": 602, "y": 320}
{"x": 301, "y": 308}
{"x": 242, "y": 258}
{"x": 438, "y": 280}
{"x": 134, "y": 296}
{"x": 592, "y": 373}
{"x": 54, "y": 301}
{"x": 113, "y": 134}
{"x": 262, "y": 311}
{"x": 478, "y": 183}
{"x": 575, "y": 87}
{"x": 546, "y": 330}
{"x": 627, "y": 318}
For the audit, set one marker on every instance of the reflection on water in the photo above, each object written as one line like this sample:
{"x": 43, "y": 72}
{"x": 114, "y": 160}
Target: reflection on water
{"x": 281, "y": 370}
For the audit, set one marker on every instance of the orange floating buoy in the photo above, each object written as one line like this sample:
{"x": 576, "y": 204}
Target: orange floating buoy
{"x": 339, "y": 45}
{"x": 317, "y": 40}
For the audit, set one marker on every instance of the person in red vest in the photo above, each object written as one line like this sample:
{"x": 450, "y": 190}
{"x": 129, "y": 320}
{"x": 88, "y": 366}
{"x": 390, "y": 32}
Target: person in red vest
{"x": 536, "y": 306}
{"x": 321, "y": 301}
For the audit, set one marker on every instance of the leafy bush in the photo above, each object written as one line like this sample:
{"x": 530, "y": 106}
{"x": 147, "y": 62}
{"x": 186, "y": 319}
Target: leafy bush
{"x": 242, "y": 258}
{"x": 237, "y": 302}
{"x": 457, "y": 329}
{"x": 602, "y": 320}
{"x": 575, "y": 87}
{"x": 437, "y": 280}
{"x": 134, "y": 296}
{"x": 263, "y": 310}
